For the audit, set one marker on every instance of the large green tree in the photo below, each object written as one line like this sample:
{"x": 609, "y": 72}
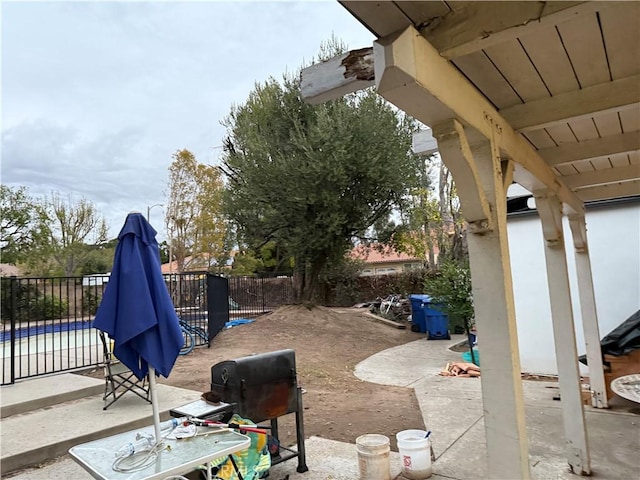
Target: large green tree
{"x": 197, "y": 230}
{"x": 310, "y": 178}
{"x": 24, "y": 224}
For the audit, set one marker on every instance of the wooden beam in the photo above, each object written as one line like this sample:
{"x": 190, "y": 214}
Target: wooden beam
{"x": 589, "y": 312}
{"x": 412, "y": 75}
{"x": 479, "y": 25}
{"x": 594, "y": 148}
{"x": 564, "y": 336}
{"x": 508, "y": 169}
{"x": 550, "y": 215}
{"x": 602, "y": 98}
{"x": 492, "y": 285}
{"x": 423, "y": 142}
{"x": 605, "y": 192}
{"x": 337, "y": 76}
{"x": 459, "y": 159}
{"x": 602, "y": 177}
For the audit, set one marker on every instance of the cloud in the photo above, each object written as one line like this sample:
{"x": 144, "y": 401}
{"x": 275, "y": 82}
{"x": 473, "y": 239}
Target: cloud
{"x": 97, "y": 96}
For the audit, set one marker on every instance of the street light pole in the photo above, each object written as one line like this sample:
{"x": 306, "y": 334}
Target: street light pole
{"x": 149, "y": 209}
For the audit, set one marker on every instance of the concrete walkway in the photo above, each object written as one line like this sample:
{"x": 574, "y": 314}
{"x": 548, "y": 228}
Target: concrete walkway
{"x": 452, "y": 409}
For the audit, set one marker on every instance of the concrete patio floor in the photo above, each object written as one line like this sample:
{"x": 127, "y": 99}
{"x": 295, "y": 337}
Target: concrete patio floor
{"x": 453, "y": 411}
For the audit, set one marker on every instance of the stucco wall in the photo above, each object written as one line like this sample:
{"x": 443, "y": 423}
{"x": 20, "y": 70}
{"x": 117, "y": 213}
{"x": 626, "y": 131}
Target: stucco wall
{"x": 614, "y": 241}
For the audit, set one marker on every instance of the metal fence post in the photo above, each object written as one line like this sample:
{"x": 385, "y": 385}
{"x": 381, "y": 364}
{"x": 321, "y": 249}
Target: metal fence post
{"x": 14, "y": 307}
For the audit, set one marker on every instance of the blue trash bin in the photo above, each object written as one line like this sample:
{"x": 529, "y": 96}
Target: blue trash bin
{"x": 437, "y": 323}
{"x": 418, "y": 312}
{"x": 427, "y": 318}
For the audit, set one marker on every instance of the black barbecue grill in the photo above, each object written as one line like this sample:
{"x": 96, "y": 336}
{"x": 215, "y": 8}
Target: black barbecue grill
{"x": 264, "y": 387}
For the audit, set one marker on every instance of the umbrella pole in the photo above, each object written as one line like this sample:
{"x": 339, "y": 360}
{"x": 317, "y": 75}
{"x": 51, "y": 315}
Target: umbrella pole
{"x": 154, "y": 403}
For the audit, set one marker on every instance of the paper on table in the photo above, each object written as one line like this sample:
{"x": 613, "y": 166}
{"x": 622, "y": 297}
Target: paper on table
{"x": 199, "y": 408}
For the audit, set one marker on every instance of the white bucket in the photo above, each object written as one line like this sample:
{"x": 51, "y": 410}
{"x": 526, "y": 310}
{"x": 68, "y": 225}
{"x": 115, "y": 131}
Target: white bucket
{"x": 415, "y": 454}
{"x": 373, "y": 457}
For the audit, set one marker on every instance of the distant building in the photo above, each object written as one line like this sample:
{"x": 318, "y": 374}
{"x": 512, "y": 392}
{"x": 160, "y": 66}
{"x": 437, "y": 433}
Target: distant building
{"x": 96, "y": 279}
{"x": 384, "y": 260}
{"x": 9, "y": 270}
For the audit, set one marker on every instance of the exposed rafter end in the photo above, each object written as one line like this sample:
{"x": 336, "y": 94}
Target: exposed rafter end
{"x": 338, "y": 76}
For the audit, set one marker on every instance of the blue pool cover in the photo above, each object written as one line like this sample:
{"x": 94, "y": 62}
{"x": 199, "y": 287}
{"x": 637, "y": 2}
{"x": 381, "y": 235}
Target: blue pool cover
{"x": 5, "y": 335}
{"x": 24, "y": 332}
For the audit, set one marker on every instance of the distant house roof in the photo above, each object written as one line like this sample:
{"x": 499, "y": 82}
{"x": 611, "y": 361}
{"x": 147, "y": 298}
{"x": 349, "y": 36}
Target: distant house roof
{"x": 381, "y": 254}
{"x": 9, "y": 270}
{"x": 190, "y": 265}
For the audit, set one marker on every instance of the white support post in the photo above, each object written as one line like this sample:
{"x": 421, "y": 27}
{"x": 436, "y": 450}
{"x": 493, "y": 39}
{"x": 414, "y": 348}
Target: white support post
{"x": 589, "y": 313}
{"x": 504, "y": 418}
{"x": 550, "y": 211}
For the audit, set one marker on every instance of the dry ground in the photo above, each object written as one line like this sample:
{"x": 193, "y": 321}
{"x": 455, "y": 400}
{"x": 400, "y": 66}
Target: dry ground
{"x": 328, "y": 343}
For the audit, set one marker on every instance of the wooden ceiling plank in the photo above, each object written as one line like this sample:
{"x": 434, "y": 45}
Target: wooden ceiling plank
{"x": 602, "y": 177}
{"x": 584, "y": 129}
{"x": 411, "y": 74}
{"x": 583, "y": 166}
{"x": 630, "y": 119}
{"x": 634, "y": 158}
{"x": 539, "y": 138}
{"x": 487, "y": 79}
{"x": 608, "y": 124}
{"x": 603, "y": 192}
{"x": 621, "y": 31}
{"x": 601, "y": 163}
{"x": 619, "y": 160}
{"x": 381, "y": 18}
{"x": 547, "y": 54}
{"x": 512, "y": 61}
{"x": 599, "y": 147}
{"x": 421, "y": 13}
{"x": 561, "y": 134}
{"x": 566, "y": 170}
{"x": 473, "y": 26}
{"x": 583, "y": 42}
{"x": 606, "y": 97}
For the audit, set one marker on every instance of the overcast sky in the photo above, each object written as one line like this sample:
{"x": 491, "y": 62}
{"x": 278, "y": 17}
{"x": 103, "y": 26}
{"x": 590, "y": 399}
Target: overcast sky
{"x": 97, "y": 96}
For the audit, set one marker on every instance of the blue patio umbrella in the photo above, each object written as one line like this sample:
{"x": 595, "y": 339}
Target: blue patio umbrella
{"x": 136, "y": 309}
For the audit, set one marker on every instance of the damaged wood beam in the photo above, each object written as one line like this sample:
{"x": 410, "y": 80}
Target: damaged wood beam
{"x": 337, "y": 76}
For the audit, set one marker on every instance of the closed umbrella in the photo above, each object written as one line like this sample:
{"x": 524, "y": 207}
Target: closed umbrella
{"x": 136, "y": 309}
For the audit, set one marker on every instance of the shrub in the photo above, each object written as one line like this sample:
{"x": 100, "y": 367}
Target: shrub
{"x": 90, "y": 301}
{"x": 30, "y": 303}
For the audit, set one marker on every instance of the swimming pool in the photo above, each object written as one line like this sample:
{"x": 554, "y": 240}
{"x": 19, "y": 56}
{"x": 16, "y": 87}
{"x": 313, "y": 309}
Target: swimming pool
{"x": 24, "y": 332}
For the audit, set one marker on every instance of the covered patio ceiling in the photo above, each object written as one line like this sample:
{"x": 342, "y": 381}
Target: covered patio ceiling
{"x": 543, "y": 94}
{"x": 564, "y": 75}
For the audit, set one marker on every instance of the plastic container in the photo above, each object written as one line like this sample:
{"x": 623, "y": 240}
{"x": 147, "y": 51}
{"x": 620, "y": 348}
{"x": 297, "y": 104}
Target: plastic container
{"x": 427, "y": 318}
{"x": 418, "y": 311}
{"x": 415, "y": 454}
{"x": 142, "y": 443}
{"x": 373, "y": 457}
{"x": 437, "y": 324}
{"x": 466, "y": 356}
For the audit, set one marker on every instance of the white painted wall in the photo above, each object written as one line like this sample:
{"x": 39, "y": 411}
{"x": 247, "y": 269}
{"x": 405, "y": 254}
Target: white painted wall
{"x": 614, "y": 242}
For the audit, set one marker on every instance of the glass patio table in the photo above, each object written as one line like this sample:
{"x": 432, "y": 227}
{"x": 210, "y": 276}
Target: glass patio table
{"x": 175, "y": 457}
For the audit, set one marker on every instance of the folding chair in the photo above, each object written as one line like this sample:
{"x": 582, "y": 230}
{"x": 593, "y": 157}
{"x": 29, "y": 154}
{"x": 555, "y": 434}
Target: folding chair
{"x": 118, "y": 378}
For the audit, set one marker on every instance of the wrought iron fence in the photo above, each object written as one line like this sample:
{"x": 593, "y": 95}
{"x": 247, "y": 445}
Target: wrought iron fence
{"x": 46, "y": 322}
{"x": 250, "y": 297}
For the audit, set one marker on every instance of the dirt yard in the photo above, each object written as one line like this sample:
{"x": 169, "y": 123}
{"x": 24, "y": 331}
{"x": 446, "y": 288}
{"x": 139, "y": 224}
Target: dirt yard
{"x": 328, "y": 343}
